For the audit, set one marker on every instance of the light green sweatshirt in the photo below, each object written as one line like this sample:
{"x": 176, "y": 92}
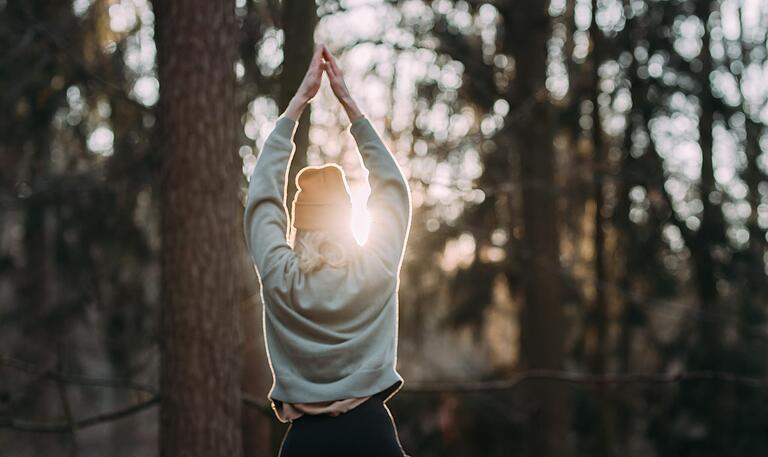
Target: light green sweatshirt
{"x": 330, "y": 334}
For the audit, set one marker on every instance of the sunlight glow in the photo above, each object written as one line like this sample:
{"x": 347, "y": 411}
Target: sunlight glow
{"x": 361, "y": 218}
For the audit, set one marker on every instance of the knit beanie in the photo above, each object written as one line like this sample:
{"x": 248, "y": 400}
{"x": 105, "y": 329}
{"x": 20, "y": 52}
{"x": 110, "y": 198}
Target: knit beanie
{"x": 322, "y": 199}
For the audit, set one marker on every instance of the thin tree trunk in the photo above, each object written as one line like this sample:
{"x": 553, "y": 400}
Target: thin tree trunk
{"x": 36, "y": 286}
{"x": 599, "y": 314}
{"x": 542, "y": 317}
{"x": 710, "y": 230}
{"x": 753, "y": 176}
{"x": 623, "y": 225}
{"x": 200, "y": 365}
{"x": 257, "y": 377}
{"x": 299, "y": 18}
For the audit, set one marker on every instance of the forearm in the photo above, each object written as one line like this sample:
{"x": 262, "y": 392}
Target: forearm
{"x": 265, "y": 218}
{"x": 377, "y": 158}
{"x": 351, "y": 108}
{"x": 295, "y": 108}
{"x": 389, "y": 202}
{"x": 277, "y": 150}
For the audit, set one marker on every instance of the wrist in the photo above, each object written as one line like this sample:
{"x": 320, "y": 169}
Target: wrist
{"x": 353, "y": 112}
{"x": 295, "y": 108}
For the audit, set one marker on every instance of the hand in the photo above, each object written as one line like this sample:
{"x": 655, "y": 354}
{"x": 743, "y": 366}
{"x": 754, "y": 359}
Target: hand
{"x": 339, "y": 87}
{"x": 308, "y": 87}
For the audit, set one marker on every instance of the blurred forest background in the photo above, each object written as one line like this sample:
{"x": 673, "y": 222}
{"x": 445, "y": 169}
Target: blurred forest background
{"x": 602, "y": 161}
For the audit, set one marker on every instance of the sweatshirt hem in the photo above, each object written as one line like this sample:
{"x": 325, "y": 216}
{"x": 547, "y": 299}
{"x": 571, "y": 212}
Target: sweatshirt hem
{"x": 361, "y": 383}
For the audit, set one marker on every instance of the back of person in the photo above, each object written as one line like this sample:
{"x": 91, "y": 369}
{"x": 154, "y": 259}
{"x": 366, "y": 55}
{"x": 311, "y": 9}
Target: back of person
{"x": 330, "y": 305}
{"x": 334, "y": 304}
{"x": 336, "y": 329}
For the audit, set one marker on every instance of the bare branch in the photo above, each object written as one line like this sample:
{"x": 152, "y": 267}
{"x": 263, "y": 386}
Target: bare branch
{"x": 586, "y": 378}
{"x": 64, "y": 427}
{"x": 62, "y": 388}
{"x": 74, "y": 378}
{"x": 419, "y": 388}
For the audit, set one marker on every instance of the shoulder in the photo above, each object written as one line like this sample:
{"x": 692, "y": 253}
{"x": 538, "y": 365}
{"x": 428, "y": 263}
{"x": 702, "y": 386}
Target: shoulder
{"x": 282, "y": 273}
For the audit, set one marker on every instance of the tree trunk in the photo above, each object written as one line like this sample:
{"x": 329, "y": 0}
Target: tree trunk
{"x": 710, "y": 231}
{"x": 752, "y": 308}
{"x": 628, "y": 179}
{"x": 257, "y": 377}
{"x": 200, "y": 365}
{"x": 542, "y": 316}
{"x": 599, "y": 316}
{"x": 299, "y": 18}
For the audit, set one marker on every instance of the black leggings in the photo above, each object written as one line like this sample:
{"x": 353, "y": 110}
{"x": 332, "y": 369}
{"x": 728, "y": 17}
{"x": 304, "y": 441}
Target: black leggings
{"x": 368, "y": 430}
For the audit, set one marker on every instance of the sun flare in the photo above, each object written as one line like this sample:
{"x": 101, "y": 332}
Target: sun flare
{"x": 361, "y": 218}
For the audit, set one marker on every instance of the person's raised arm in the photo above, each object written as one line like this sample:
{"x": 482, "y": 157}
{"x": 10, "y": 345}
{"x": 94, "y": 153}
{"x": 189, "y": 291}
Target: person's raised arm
{"x": 265, "y": 220}
{"x": 389, "y": 202}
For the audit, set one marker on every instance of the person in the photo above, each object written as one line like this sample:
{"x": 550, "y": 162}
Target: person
{"x": 330, "y": 303}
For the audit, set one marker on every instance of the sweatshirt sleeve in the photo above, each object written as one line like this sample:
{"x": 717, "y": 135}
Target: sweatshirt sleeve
{"x": 390, "y": 200}
{"x": 266, "y": 217}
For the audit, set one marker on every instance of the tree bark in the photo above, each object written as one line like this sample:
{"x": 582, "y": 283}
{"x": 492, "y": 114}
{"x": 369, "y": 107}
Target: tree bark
{"x": 542, "y": 315}
{"x": 200, "y": 364}
{"x": 257, "y": 377}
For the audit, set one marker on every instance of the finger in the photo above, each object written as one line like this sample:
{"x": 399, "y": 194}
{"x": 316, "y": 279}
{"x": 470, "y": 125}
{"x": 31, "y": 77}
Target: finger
{"x": 329, "y": 68}
{"x": 329, "y": 57}
{"x": 334, "y": 76}
{"x": 335, "y": 64}
{"x": 317, "y": 62}
{"x": 317, "y": 56}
